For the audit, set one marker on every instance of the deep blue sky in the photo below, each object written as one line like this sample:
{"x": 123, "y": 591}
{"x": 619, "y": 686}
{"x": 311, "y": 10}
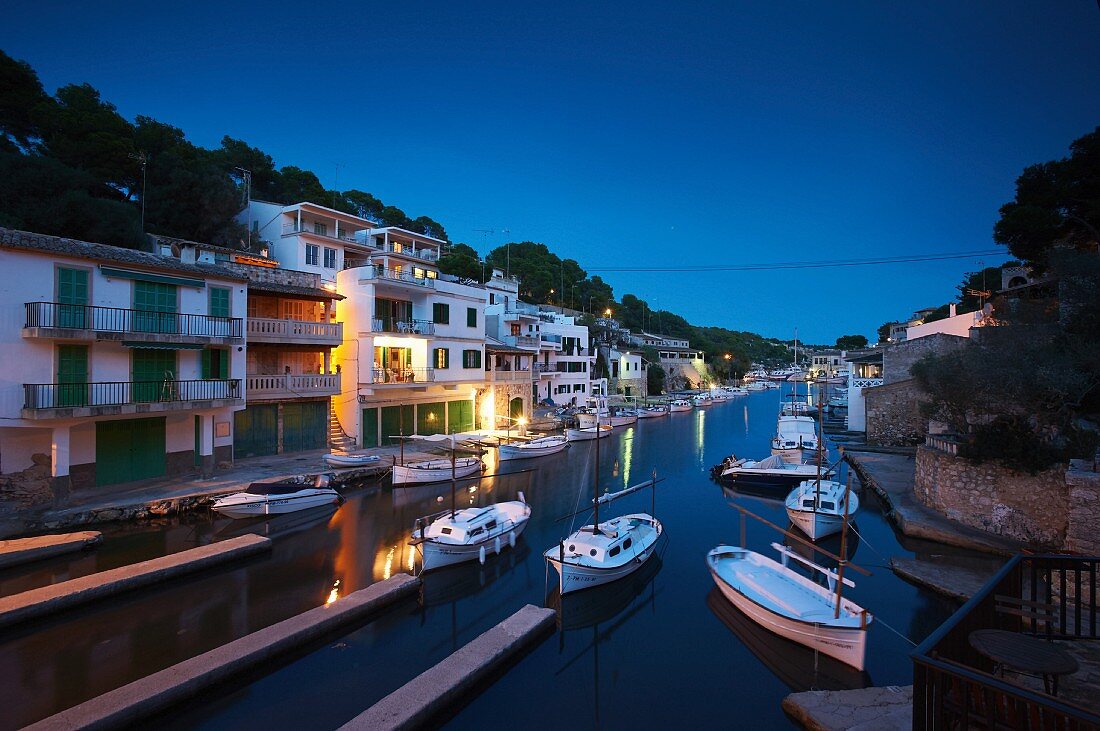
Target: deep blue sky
{"x": 687, "y": 133}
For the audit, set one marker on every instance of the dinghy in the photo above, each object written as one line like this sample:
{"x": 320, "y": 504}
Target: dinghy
{"x": 434, "y": 470}
{"x": 344, "y": 461}
{"x": 535, "y": 448}
{"x": 586, "y": 433}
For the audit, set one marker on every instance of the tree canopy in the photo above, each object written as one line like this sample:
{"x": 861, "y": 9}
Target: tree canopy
{"x": 852, "y": 342}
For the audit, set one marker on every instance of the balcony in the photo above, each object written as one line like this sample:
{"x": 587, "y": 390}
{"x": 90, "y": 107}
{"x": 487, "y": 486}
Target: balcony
{"x": 405, "y": 250}
{"x": 403, "y": 327}
{"x": 522, "y": 341}
{"x": 402, "y": 375}
{"x": 866, "y": 382}
{"x": 503, "y": 376}
{"x": 550, "y": 342}
{"x": 287, "y": 386}
{"x": 547, "y": 370}
{"x": 292, "y": 229}
{"x": 63, "y": 400}
{"x": 271, "y": 330}
{"x": 388, "y": 276}
{"x": 89, "y": 322}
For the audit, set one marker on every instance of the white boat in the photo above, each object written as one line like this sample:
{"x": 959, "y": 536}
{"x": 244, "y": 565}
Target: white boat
{"x": 794, "y": 436}
{"x": 818, "y": 507}
{"x": 756, "y": 386}
{"x": 839, "y": 401}
{"x": 757, "y": 374}
{"x": 277, "y": 498}
{"x": 734, "y": 391}
{"x": 769, "y": 472}
{"x": 786, "y": 374}
{"x": 343, "y": 461}
{"x": 623, "y": 417}
{"x": 702, "y": 400}
{"x": 535, "y": 448}
{"x": 680, "y": 405}
{"x": 588, "y": 432}
{"x": 434, "y": 470}
{"x": 470, "y": 534}
{"x": 787, "y": 603}
{"x": 591, "y": 557}
{"x": 652, "y": 412}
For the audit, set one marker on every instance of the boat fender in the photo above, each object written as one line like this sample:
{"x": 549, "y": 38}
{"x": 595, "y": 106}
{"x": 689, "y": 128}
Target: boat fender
{"x": 512, "y": 539}
{"x": 496, "y": 545}
{"x": 522, "y": 499}
{"x": 481, "y": 555}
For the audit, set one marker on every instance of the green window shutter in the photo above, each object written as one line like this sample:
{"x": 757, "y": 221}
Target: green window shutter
{"x": 471, "y": 317}
{"x": 72, "y": 375}
{"x": 206, "y": 363}
{"x": 215, "y": 364}
{"x": 442, "y": 358}
{"x": 471, "y": 358}
{"x": 219, "y": 302}
{"x": 223, "y": 370}
{"x": 441, "y": 313}
{"x": 153, "y": 373}
{"x": 72, "y": 296}
{"x": 155, "y": 306}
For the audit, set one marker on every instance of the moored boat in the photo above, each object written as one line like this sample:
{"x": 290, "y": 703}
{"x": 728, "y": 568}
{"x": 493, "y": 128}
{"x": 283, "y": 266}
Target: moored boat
{"x": 277, "y": 498}
{"x": 819, "y": 507}
{"x": 772, "y": 471}
{"x": 679, "y": 405}
{"x": 652, "y": 412}
{"x": 601, "y": 553}
{"x": 540, "y": 447}
{"x": 456, "y": 536}
{"x": 588, "y": 432}
{"x": 344, "y": 461}
{"x": 435, "y": 470}
{"x": 794, "y": 436}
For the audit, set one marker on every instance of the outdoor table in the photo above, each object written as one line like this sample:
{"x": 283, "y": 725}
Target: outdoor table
{"x": 1025, "y": 654}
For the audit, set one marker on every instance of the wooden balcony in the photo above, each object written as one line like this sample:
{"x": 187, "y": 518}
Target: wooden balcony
{"x": 294, "y": 332}
{"x": 289, "y": 386}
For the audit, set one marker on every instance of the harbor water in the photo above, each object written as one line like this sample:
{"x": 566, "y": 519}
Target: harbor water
{"x": 657, "y": 650}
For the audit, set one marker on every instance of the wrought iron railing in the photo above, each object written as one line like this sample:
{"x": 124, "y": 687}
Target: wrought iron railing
{"x": 377, "y": 272}
{"x": 954, "y": 686}
{"x": 120, "y": 393}
{"x": 119, "y": 320}
{"x": 402, "y": 375}
{"x": 403, "y": 327}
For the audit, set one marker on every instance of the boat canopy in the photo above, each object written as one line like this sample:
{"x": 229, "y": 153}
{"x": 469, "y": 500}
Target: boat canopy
{"x": 797, "y": 425}
{"x": 275, "y": 488}
{"x": 769, "y": 463}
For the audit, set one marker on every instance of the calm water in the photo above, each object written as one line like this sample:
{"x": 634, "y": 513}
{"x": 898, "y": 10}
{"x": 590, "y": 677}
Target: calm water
{"x": 656, "y": 650}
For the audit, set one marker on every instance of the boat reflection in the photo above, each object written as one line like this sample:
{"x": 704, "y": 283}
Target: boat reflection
{"x": 831, "y": 544}
{"x": 462, "y": 580}
{"x": 771, "y": 495}
{"x": 278, "y": 525}
{"x": 799, "y": 667}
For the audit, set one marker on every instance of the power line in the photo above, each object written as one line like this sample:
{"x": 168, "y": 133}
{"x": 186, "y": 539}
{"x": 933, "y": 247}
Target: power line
{"x": 801, "y": 264}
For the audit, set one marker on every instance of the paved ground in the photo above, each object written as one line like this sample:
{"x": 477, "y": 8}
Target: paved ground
{"x": 945, "y": 576}
{"x": 892, "y": 477}
{"x": 864, "y": 709}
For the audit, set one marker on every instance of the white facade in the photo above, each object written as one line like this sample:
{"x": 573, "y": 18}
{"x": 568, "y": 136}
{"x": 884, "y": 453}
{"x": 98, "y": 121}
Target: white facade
{"x": 954, "y": 325}
{"x": 307, "y": 237}
{"x": 77, "y": 359}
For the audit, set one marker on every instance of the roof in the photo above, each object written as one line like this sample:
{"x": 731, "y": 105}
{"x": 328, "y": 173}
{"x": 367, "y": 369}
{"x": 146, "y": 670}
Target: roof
{"x": 873, "y": 357}
{"x": 312, "y": 293}
{"x": 210, "y": 247}
{"x": 45, "y": 244}
{"x": 495, "y": 346}
{"x": 677, "y": 349}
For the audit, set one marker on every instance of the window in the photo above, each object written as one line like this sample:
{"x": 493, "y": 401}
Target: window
{"x": 491, "y": 524}
{"x": 311, "y": 254}
{"x": 72, "y": 296}
{"x": 156, "y": 307}
{"x": 471, "y": 358}
{"x": 441, "y": 357}
{"x": 614, "y": 551}
{"x": 215, "y": 364}
{"x": 441, "y": 313}
{"x": 445, "y": 531}
{"x": 471, "y": 317}
{"x": 219, "y": 301}
{"x": 320, "y": 228}
{"x": 626, "y": 543}
{"x": 330, "y": 258}
{"x": 592, "y": 552}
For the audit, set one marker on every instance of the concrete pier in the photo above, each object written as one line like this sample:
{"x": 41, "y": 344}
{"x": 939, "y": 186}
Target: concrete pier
{"x": 130, "y": 704}
{"x": 66, "y": 594}
{"x": 17, "y": 551}
{"x": 439, "y": 688}
{"x": 958, "y": 582}
{"x": 864, "y": 709}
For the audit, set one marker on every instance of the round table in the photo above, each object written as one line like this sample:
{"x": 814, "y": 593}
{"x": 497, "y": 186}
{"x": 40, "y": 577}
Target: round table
{"x": 1025, "y": 654}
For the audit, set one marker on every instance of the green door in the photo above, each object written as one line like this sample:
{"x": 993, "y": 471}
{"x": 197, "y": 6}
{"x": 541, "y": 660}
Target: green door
{"x": 396, "y": 420}
{"x": 305, "y": 426}
{"x": 256, "y": 431}
{"x": 72, "y": 297}
{"x": 460, "y": 416}
{"x": 430, "y": 418}
{"x": 370, "y": 427}
{"x": 129, "y": 450}
{"x": 154, "y": 374}
{"x": 155, "y": 307}
{"x": 515, "y": 408}
{"x": 72, "y": 375}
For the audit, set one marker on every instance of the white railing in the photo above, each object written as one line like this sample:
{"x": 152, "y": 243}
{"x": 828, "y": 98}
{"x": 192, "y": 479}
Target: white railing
{"x": 307, "y": 228}
{"x": 942, "y": 442}
{"x": 866, "y": 382}
{"x": 375, "y": 272}
{"x": 261, "y": 326}
{"x": 522, "y": 341}
{"x": 520, "y": 376}
{"x": 425, "y": 254}
{"x": 403, "y": 327}
{"x": 310, "y": 384}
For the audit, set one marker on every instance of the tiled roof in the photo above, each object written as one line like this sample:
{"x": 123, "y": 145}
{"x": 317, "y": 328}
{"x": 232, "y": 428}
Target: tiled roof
{"x": 313, "y": 293}
{"x": 27, "y": 241}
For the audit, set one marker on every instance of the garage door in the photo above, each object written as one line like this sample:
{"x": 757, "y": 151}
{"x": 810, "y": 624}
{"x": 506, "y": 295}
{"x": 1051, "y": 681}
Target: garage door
{"x": 129, "y": 450}
{"x": 460, "y": 416}
{"x": 255, "y": 431}
{"x": 305, "y": 426}
{"x": 430, "y": 418}
{"x": 370, "y": 427}
{"x": 396, "y": 420}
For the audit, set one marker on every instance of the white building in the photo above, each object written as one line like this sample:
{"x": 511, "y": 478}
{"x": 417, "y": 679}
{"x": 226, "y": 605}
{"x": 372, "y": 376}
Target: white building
{"x": 120, "y": 365}
{"x": 627, "y": 372}
{"x": 864, "y": 371}
{"x": 827, "y": 363}
{"x": 684, "y": 367}
{"x": 953, "y": 324}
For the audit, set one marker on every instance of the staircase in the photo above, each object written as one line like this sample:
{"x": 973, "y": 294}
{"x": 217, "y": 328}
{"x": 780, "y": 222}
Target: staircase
{"x": 338, "y": 439}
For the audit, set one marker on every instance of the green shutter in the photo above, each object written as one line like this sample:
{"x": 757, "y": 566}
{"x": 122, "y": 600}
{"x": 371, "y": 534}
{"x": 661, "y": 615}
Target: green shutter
{"x": 396, "y": 420}
{"x": 441, "y": 313}
{"x": 370, "y": 427}
{"x": 215, "y": 364}
{"x": 153, "y": 373}
{"x": 471, "y": 317}
{"x": 72, "y": 295}
{"x": 156, "y": 307}
{"x": 460, "y": 416}
{"x": 255, "y": 431}
{"x": 430, "y": 418}
{"x": 471, "y": 358}
{"x": 441, "y": 358}
{"x": 72, "y": 375}
{"x": 219, "y": 302}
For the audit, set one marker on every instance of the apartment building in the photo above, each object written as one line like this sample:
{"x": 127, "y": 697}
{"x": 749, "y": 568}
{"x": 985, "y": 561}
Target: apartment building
{"x": 120, "y": 365}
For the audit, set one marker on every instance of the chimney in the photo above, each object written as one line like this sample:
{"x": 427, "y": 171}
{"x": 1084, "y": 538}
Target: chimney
{"x": 951, "y": 309}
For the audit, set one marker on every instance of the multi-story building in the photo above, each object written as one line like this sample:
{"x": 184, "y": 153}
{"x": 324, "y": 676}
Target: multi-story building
{"x": 684, "y": 366}
{"x": 306, "y": 237}
{"x": 827, "y": 363}
{"x": 413, "y": 354}
{"x": 626, "y": 372}
{"x": 128, "y": 365}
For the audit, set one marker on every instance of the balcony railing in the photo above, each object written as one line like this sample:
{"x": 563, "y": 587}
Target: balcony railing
{"x": 388, "y": 275}
{"x": 866, "y": 382}
{"x": 265, "y": 328}
{"x": 425, "y": 254}
{"x": 522, "y": 341}
{"x": 404, "y": 327}
{"x": 509, "y": 376}
{"x": 307, "y": 228}
{"x": 402, "y": 375}
{"x": 291, "y": 385}
{"x": 120, "y": 393}
{"x": 954, "y": 686}
{"x": 118, "y": 320}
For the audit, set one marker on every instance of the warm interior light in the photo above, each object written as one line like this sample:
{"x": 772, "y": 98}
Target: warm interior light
{"x": 521, "y": 421}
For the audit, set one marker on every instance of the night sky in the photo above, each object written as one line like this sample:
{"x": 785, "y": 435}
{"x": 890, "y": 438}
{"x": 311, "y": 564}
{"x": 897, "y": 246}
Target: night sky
{"x": 651, "y": 134}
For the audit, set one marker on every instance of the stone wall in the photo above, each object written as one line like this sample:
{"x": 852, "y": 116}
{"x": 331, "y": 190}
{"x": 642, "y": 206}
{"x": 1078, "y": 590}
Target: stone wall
{"x": 899, "y": 358}
{"x": 1082, "y": 535}
{"x": 893, "y": 414}
{"x": 1034, "y": 509}
{"x": 275, "y": 275}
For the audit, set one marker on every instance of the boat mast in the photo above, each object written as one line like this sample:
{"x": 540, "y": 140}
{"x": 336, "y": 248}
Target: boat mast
{"x": 596, "y": 481}
{"x": 843, "y": 546}
{"x": 453, "y": 477}
{"x": 820, "y": 449}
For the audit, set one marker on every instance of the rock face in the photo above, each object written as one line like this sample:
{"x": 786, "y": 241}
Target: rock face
{"x": 1082, "y": 535}
{"x": 1034, "y": 509}
{"x": 30, "y": 487}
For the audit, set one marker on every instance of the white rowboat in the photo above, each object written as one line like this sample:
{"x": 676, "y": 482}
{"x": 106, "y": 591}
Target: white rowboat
{"x": 275, "y": 499}
{"x": 586, "y": 433}
{"x": 344, "y": 461}
{"x": 434, "y": 470}
{"x": 535, "y": 448}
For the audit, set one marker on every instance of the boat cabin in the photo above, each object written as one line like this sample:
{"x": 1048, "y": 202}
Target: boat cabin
{"x": 613, "y": 538}
{"x": 468, "y": 525}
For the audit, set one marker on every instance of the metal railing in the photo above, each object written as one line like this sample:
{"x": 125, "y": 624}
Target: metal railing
{"x": 866, "y": 382}
{"x": 307, "y": 228}
{"x": 120, "y": 393}
{"x": 377, "y": 272}
{"x": 119, "y": 320}
{"x": 294, "y": 384}
{"x": 402, "y": 375}
{"x": 261, "y": 326}
{"x": 522, "y": 341}
{"x": 404, "y": 327}
{"x": 954, "y": 685}
{"x": 425, "y": 254}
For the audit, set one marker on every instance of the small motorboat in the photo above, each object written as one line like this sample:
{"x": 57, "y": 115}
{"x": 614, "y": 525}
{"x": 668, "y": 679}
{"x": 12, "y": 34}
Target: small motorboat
{"x": 623, "y": 417}
{"x": 594, "y": 556}
{"x": 652, "y": 412}
{"x": 588, "y": 432}
{"x": 680, "y": 405}
{"x": 535, "y": 448}
{"x": 787, "y": 603}
{"x": 435, "y": 470}
{"x": 702, "y": 400}
{"x": 794, "y": 436}
{"x": 278, "y": 498}
{"x": 345, "y": 461}
{"x": 756, "y": 386}
{"x": 818, "y": 507}
{"x": 470, "y": 534}
{"x": 769, "y": 472}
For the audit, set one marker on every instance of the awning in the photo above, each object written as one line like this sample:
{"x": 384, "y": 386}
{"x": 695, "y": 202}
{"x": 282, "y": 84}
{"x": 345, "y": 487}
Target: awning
{"x": 109, "y": 271}
{"x": 161, "y": 346}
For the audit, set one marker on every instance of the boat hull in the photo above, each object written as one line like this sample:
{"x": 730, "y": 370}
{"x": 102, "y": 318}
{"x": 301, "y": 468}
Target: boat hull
{"x": 438, "y": 555}
{"x": 584, "y": 434}
{"x": 576, "y": 577}
{"x": 344, "y": 461}
{"x": 409, "y": 475}
{"x": 277, "y": 504}
{"x": 508, "y": 451}
{"x": 846, "y": 645}
{"x": 816, "y": 525}
{"x": 677, "y": 408}
{"x": 796, "y": 455}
